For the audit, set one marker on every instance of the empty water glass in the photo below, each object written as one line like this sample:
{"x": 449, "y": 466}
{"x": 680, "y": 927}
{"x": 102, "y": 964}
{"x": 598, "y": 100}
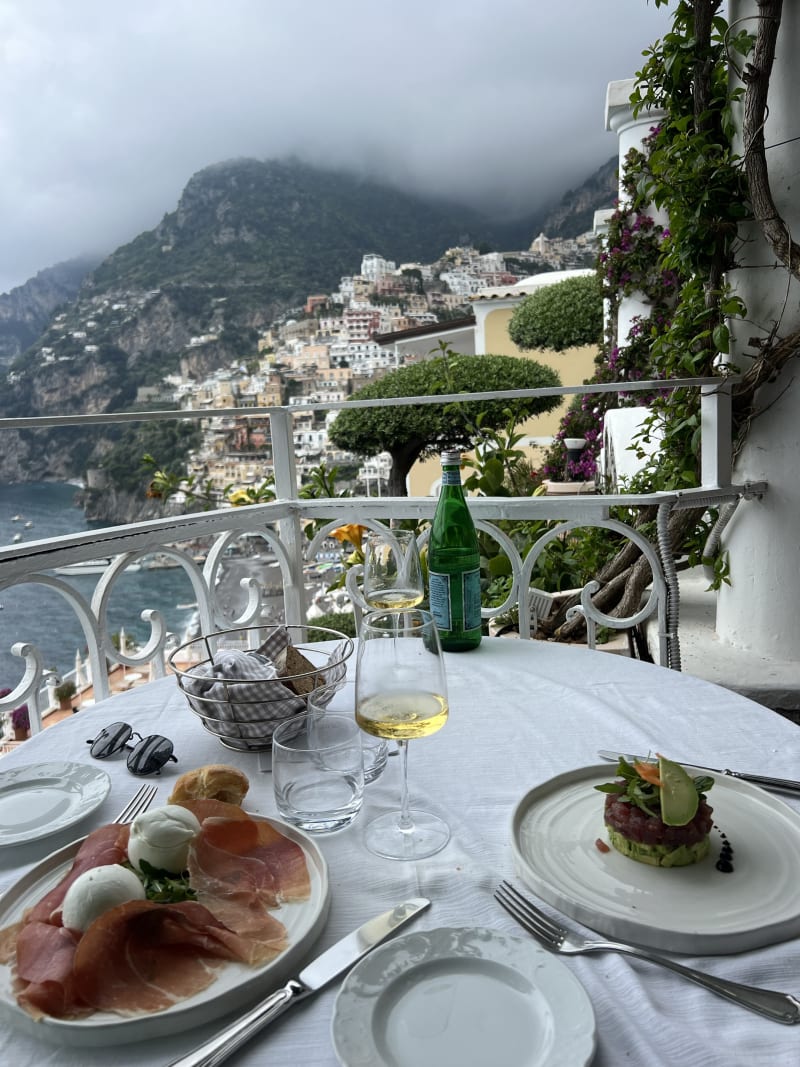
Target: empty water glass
{"x": 317, "y": 771}
{"x": 375, "y": 750}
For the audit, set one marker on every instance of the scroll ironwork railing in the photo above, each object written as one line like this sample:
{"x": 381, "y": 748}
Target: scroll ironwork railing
{"x": 280, "y": 527}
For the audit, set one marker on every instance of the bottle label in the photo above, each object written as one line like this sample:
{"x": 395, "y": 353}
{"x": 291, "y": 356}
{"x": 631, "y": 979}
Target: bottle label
{"x": 440, "y": 595}
{"x": 451, "y": 477}
{"x": 471, "y": 598}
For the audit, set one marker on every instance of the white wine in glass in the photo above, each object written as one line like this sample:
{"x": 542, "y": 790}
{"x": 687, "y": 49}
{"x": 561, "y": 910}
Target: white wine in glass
{"x": 392, "y": 571}
{"x": 402, "y": 716}
{"x": 401, "y": 693}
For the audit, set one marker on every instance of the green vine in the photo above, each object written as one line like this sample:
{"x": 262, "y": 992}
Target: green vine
{"x": 670, "y": 242}
{"x": 693, "y": 174}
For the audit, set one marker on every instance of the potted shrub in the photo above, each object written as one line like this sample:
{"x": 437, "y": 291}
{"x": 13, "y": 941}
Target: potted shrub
{"x": 20, "y": 722}
{"x": 64, "y": 694}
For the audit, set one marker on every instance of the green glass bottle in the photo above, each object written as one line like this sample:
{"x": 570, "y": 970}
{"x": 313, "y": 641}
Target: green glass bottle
{"x": 454, "y": 569}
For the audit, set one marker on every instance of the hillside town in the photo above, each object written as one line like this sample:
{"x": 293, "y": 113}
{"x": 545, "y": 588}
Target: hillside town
{"x": 325, "y": 351}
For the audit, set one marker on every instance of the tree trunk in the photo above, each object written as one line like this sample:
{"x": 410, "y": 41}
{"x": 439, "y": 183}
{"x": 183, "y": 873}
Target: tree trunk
{"x": 623, "y": 580}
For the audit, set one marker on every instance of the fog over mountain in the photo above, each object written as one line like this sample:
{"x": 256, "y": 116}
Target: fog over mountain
{"x": 109, "y": 109}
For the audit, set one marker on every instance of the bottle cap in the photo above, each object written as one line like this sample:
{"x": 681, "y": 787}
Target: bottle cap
{"x": 451, "y": 458}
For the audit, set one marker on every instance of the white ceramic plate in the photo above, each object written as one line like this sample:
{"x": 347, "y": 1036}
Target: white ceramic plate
{"x": 235, "y": 987}
{"x": 462, "y": 996}
{"x": 695, "y": 909}
{"x": 39, "y": 799}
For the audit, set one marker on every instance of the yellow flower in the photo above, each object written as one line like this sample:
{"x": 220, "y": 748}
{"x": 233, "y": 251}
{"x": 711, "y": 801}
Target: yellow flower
{"x": 352, "y": 533}
{"x": 239, "y": 497}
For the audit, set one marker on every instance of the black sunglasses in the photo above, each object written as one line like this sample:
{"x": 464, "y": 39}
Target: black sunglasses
{"x": 147, "y": 756}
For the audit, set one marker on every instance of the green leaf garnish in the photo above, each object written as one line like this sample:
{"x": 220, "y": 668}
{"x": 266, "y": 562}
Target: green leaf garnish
{"x": 633, "y": 789}
{"x": 164, "y": 887}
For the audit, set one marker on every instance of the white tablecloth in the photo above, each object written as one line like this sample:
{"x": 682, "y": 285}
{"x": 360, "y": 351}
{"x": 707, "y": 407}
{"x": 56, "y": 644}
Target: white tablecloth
{"x": 520, "y": 713}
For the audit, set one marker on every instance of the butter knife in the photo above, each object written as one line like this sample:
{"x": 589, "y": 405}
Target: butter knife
{"x": 332, "y": 963}
{"x": 783, "y": 785}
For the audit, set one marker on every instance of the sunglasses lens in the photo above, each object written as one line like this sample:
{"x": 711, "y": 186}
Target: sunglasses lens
{"x": 110, "y": 740}
{"x": 150, "y": 755}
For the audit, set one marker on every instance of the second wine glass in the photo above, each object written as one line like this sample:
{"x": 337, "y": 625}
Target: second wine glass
{"x": 392, "y": 570}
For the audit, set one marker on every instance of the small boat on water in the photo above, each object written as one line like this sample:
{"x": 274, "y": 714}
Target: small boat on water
{"x": 92, "y": 566}
{"x": 159, "y": 562}
{"x": 28, "y": 524}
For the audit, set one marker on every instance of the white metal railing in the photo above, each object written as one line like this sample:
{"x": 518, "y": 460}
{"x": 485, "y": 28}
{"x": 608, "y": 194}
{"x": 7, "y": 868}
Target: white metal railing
{"x": 281, "y": 526}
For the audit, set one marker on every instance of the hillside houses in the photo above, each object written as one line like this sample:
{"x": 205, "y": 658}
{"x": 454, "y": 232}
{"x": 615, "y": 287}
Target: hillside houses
{"x": 337, "y": 343}
{"x": 385, "y": 316}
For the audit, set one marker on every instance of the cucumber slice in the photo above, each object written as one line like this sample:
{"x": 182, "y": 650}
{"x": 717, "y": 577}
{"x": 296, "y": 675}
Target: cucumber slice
{"x": 679, "y": 799}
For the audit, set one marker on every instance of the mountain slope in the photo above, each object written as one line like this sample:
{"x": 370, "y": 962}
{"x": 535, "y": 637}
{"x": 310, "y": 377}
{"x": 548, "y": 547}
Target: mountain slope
{"x": 575, "y": 212}
{"x": 294, "y": 227}
{"x": 27, "y": 309}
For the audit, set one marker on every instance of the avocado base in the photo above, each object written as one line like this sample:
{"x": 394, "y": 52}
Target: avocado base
{"x": 659, "y": 855}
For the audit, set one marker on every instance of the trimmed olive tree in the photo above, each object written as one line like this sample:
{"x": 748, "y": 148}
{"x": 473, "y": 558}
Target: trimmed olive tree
{"x": 412, "y": 432}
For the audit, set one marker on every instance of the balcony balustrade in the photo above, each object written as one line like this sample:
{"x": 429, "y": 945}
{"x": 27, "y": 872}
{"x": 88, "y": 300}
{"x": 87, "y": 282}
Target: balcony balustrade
{"x": 282, "y": 525}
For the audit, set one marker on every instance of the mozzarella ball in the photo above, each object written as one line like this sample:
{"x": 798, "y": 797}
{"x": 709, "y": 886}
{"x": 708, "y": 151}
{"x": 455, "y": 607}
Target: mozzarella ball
{"x": 162, "y": 838}
{"x": 97, "y": 890}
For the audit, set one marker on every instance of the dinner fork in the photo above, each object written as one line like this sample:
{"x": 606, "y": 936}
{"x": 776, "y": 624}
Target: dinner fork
{"x": 140, "y": 802}
{"x": 781, "y": 1007}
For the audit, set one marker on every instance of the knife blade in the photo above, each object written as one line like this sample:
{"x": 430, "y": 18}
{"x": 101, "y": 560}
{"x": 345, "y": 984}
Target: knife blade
{"x": 782, "y": 785}
{"x": 324, "y": 969}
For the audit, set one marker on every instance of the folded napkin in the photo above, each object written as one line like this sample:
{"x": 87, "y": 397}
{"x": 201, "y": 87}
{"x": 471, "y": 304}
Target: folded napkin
{"x": 242, "y": 694}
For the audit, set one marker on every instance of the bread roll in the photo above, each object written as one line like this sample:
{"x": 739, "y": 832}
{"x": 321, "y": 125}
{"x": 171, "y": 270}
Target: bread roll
{"x": 214, "y": 781}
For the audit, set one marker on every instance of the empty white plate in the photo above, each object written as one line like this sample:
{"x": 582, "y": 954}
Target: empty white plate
{"x": 466, "y": 996}
{"x": 39, "y": 799}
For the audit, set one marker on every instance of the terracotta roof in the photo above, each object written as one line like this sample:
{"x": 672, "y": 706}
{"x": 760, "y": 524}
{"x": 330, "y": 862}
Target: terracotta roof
{"x": 424, "y": 331}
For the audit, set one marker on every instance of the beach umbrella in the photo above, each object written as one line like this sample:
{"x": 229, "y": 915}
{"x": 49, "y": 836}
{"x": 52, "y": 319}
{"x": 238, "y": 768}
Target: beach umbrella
{"x": 80, "y": 680}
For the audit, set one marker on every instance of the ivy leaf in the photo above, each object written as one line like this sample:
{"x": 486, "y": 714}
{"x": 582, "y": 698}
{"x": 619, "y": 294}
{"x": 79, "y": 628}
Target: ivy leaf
{"x": 721, "y": 337}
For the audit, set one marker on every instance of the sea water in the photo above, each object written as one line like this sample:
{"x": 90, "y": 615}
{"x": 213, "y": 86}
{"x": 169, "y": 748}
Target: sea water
{"x": 40, "y": 510}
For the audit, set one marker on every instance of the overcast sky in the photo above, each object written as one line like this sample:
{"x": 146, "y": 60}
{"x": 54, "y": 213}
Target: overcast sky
{"x": 108, "y": 107}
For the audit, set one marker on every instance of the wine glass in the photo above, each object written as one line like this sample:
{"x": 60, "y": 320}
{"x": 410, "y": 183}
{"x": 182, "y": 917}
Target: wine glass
{"x": 392, "y": 577}
{"x": 401, "y": 692}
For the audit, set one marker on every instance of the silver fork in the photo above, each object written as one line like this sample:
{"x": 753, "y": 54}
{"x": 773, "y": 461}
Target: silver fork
{"x": 140, "y": 802}
{"x": 781, "y": 1007}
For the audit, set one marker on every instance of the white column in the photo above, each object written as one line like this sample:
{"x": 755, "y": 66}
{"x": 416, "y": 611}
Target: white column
{"x": 631, "y": 131}
{"x": 758, "y": 611}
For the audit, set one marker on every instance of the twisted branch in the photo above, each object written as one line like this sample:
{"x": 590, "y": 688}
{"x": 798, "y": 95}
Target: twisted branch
{"x": 756, "y": 77}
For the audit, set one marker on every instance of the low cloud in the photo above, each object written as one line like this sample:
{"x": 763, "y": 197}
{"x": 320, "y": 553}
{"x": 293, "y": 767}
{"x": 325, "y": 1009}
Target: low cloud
{"x": 109, "y": 109}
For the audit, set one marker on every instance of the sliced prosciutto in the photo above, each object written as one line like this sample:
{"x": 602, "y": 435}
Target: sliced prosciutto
{"x": 143, "y": 957}
{"x": 108, "y": 844}
{"x": 44, "y": 974}
{"x": 242, "y": 868}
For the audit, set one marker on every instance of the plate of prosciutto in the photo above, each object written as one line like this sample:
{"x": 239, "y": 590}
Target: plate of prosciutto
{"x": 255, "y": 897}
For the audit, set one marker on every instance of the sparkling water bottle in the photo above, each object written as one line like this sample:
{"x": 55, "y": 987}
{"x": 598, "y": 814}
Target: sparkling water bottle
{"x": 454, "y": 564}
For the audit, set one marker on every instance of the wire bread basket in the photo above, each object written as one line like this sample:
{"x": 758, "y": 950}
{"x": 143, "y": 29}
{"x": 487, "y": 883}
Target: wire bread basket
{"x": 242, "y": 683}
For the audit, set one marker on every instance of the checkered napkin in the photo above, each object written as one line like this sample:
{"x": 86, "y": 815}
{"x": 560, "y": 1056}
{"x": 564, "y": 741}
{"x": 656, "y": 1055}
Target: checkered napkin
{"x": 241, "y": 694}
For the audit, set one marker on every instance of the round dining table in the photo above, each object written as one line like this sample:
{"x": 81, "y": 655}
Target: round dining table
{"x": 522, "y": 713}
